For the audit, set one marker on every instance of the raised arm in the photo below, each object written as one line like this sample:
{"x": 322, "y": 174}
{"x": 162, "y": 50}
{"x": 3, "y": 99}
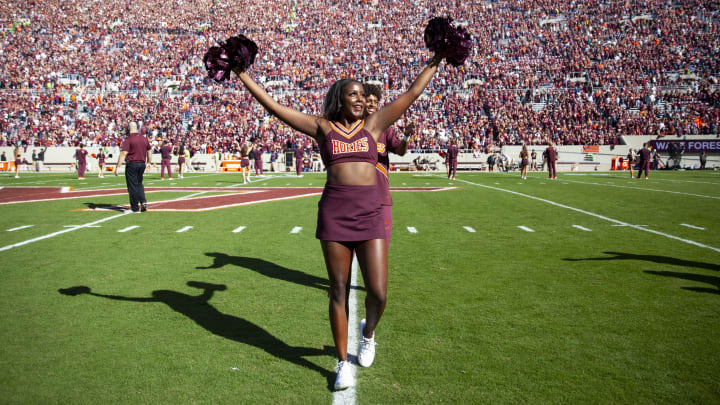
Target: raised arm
{"x": 386, "y": 116}
{"x": 304, "y": 123}
{"x": 407, "y": 137}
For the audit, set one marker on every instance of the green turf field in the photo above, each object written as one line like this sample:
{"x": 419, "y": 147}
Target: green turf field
{"x": 593, "y": 288}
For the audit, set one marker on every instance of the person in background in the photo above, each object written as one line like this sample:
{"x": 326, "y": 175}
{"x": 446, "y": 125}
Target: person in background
{"x": 631, "y": 161}
{"x": 274, "y": 152}
{"x": 135, "y": 152}
{"x": 165, "y": 157}
{"x": 217, "y": 158}
{"x": 245, "y": 151}
{"x": 41, "y": 158}
{"x": 299, "y": 154}
{"x": 452, "y": 156}
{"x": 524, "y": 162}
{"x": 257, "y": 148}
{"x": 551, "y": 157}
{"x": 81, "y": 157}
{"x": 655, "y": 159}
{"x": 101, "y": 156}
{"x": 182, "y": 153}
{"x": 17, "y": 152}
{"x": 644, "y": 161}
{"x": 703, "y": 160}
{"x": 533, "y": 158}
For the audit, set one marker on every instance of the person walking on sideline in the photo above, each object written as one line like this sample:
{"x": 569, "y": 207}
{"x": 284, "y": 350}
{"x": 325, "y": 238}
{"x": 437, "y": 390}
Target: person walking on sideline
{"x": 551, "y": 157}
{"x": 101, "y": 156}
{"x": 81, "y": 156}
{"x": 644, "y": 161}
{"x": 452, "y": 157}
{"x": 165, "y": 157}
{"x": 631, "y": 161}
{"x": 524, "y": 162}
{"x": 18, "y": 160}
{"x": 135, "y": 152}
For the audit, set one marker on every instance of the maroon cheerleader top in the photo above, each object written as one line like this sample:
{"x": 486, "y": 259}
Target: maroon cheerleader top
{"x": 344, "y": 145}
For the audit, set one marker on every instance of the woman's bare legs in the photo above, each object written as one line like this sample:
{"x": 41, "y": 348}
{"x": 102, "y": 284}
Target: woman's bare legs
{"x": 338, "y": 257}
{"x": 372, "y": 258}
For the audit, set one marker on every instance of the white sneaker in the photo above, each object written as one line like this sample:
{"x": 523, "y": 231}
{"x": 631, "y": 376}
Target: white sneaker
{"x": 366, "y": 349}
{"x": 344, "y": 377}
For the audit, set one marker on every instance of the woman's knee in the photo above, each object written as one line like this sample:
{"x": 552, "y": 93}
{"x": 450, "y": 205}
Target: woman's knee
{"x": 376, "y": 294}
{"x": 338, "y": 291}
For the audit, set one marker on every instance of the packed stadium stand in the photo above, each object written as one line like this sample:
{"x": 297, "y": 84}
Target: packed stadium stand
{"x": 575, "y": 73}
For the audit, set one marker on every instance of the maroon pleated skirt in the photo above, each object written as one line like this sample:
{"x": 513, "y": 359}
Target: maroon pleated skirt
{"x": 349, "y": 214}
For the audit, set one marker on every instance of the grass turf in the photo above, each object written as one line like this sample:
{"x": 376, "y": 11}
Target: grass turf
{"x": 612, "y": 314}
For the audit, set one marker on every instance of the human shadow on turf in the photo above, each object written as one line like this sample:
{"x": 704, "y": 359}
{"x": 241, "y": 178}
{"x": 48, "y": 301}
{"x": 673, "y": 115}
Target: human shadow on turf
{"x": 111, "y": 207}
{"x": 267, "y": 269}
{"x": 692, "y": 277}
{"x": 652, "y": 258}
{"x": 712, "y": 280}
{"x": 198, "y": 309}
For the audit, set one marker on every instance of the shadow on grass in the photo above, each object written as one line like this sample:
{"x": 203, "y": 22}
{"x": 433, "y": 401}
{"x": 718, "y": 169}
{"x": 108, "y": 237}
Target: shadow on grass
{"x": 692, "y": 277}
{"x": 112, "y": 207}
{"x": 712, "y": 280}
{"x": 230, "y": 327}
{"x": 268, "y": 269}
{"x": 652, "y": 258}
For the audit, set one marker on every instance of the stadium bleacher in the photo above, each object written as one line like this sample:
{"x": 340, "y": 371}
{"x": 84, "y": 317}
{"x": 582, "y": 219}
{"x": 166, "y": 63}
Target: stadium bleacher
{"x": 575, "y": 73}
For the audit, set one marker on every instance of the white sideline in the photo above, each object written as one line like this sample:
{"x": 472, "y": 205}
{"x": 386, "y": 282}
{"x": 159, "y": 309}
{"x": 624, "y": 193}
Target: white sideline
{"x": 615, "y": 221}
{"x": 347, "y": 396}
{"x": 643, "y": 189}
{"x": 50, "y": 235}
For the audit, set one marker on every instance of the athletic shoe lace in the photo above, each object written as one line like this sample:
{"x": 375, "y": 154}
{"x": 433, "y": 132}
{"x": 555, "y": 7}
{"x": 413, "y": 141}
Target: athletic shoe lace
{"x": 367, "y": 345}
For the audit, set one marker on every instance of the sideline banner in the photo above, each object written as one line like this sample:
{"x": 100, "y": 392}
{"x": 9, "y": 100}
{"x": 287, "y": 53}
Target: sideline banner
{"x": 707, "y": 145}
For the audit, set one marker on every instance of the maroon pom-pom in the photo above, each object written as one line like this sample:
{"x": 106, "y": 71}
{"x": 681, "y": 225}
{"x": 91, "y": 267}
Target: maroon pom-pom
{"x": 242, "y": 51}
{"x": 452, "y": 43}
{"x": 217, "y": 63}
{"x": 237, "y": 51}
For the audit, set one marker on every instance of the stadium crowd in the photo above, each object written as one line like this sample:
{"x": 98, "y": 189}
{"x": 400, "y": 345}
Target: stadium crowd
{"x": 572, "y": 72}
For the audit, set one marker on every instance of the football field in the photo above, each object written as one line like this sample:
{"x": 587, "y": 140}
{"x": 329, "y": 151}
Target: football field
{"x": 592, "y": 288}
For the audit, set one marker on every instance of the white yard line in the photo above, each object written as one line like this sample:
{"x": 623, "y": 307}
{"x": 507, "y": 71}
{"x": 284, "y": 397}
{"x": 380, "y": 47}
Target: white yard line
{"x": 412, "y": 229}
{"x": 129, "y": 228}
{"x": 192, "y": 195}
{"x": 238, "y": 229}
{"x": 644, "y": 189}
{"x": 693, "y": 227}
{"x": 50, "y": 235}
{"x": 582, "y": 228}
{"x": 469, "y": 229}
{"x": 348, "y": 396}
{"x": 184, "y": 229}
{"x": 614, "y": 221}
{"x": 526, "y": 229}
{"x": 19, "y": 228}
{"x": 296, "y": 229}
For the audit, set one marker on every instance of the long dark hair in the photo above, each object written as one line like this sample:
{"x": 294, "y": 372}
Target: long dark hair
{"x": 333, "y": 99}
